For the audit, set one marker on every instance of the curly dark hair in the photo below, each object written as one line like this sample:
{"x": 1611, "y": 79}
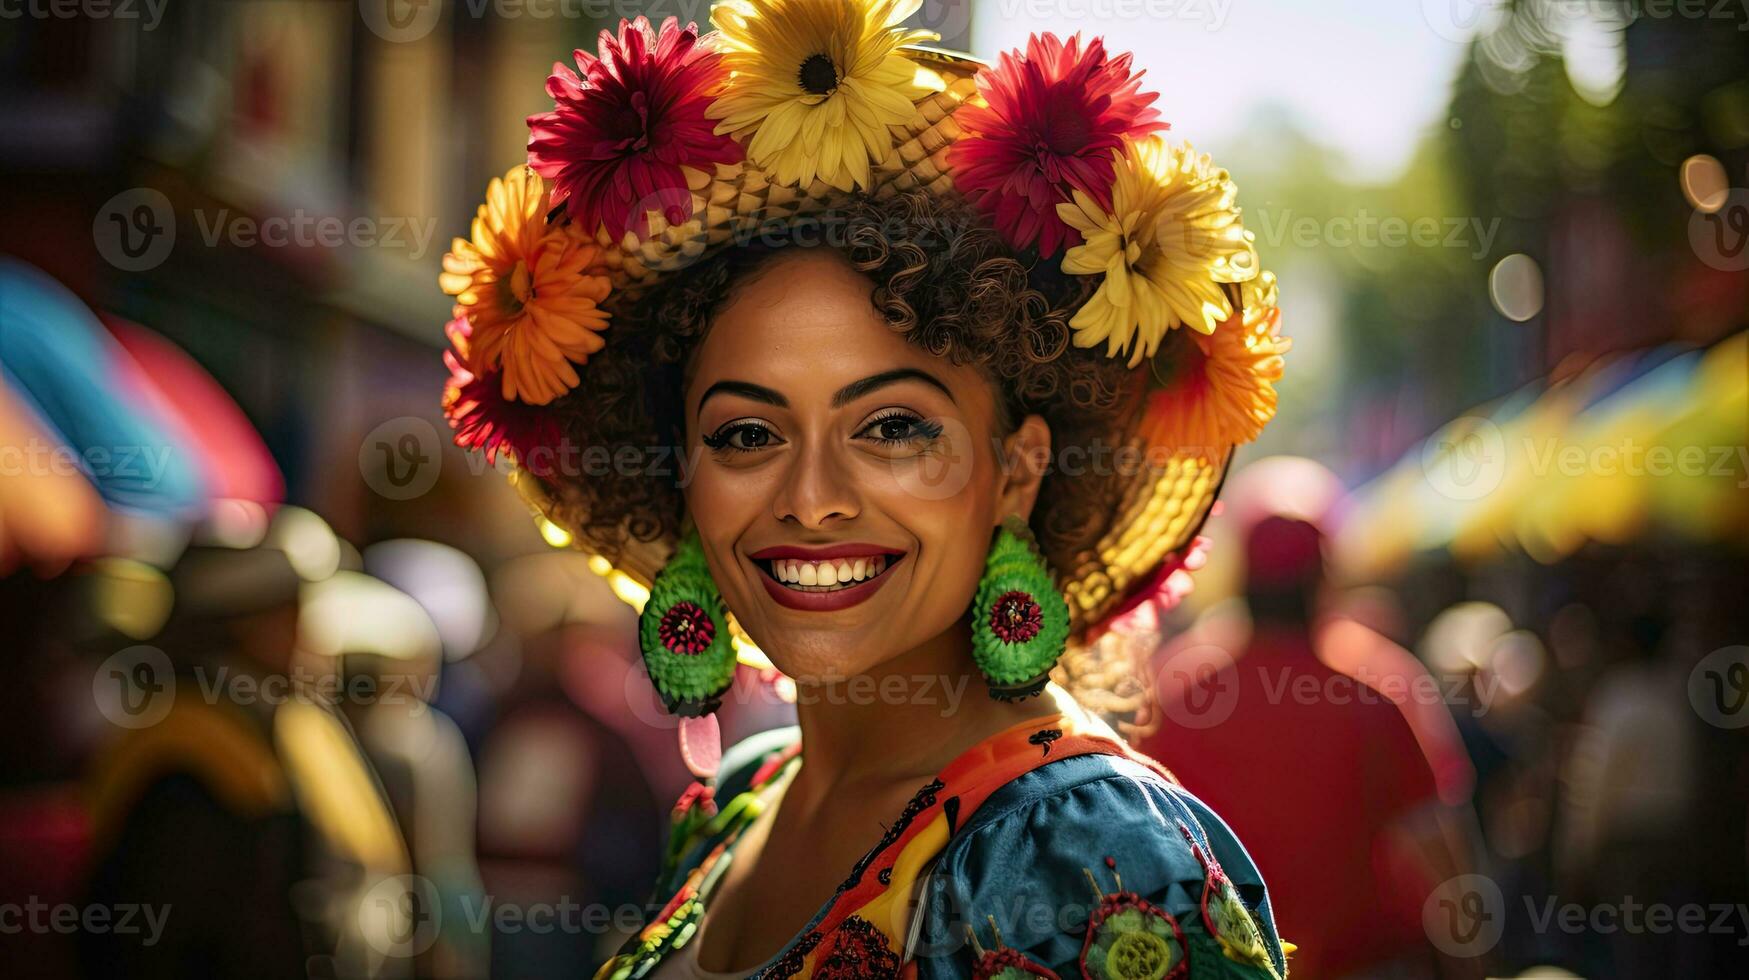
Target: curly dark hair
{"x": 943, "y": 277}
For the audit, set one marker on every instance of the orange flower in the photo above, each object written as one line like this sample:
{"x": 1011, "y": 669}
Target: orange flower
{"x": 1215, "y": 391}
{"x": 532, "y": 293}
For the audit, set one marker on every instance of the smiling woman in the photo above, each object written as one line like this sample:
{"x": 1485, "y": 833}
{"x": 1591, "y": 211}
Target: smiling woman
{"x": 953, "y": 379}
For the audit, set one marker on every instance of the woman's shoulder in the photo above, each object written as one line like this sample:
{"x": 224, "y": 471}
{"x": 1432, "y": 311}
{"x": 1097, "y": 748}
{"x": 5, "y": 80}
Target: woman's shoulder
{"x": 1092, "y": 862}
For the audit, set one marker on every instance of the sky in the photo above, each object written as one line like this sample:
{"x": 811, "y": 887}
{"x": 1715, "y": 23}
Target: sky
{"x": 1366, "y": 77}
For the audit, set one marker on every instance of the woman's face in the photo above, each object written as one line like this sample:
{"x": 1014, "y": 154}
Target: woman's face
{"x": 844, "y": 482}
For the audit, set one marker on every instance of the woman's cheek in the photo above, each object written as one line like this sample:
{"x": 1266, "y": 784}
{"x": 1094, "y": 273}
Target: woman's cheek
{"x": 946, "y": 469}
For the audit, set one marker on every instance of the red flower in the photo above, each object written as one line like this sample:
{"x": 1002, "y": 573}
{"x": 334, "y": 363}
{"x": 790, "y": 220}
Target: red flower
{"x": 621, "y": 136}
{"x": 479, "y": 413}
{"x": 1053, "y": 117}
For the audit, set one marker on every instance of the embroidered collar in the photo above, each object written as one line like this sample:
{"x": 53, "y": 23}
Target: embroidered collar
{"x": 854, "y": 934}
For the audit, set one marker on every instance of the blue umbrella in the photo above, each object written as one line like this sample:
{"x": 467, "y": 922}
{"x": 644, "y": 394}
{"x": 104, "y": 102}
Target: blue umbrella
{"x": 55, "y": 353}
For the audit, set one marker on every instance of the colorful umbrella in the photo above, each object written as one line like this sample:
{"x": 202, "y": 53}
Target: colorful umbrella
{"x": 234, "y": 463}
{"x": 49, "y": 514}
{"x": 53, "y": 350}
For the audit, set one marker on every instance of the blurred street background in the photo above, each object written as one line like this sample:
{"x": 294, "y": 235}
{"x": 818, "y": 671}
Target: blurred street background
{"x": 294, "y": 687}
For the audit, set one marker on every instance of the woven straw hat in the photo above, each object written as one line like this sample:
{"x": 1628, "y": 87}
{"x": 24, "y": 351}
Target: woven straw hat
{"x": 1165, "y": 497}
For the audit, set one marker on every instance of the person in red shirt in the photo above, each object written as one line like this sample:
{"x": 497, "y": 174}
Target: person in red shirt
{"x": 1319, "y": 774}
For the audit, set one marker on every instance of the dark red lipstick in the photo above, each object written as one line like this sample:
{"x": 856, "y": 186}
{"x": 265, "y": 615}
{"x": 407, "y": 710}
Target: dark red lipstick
{"x": 823, "y": 600}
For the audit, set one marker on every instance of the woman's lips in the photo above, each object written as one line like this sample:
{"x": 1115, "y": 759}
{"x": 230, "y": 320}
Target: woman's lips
{"x": 782, "y": 562}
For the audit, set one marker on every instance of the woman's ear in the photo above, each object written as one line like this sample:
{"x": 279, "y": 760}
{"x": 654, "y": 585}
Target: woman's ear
{"x": 1026, "y": 457}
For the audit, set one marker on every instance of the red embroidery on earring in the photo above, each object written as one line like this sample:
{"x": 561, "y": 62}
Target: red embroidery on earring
{"x": 686, "y": 629}
{"x": 1016, "y": 617}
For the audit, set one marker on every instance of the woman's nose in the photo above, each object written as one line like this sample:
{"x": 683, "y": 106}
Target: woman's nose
{"x": 816, "y": 491}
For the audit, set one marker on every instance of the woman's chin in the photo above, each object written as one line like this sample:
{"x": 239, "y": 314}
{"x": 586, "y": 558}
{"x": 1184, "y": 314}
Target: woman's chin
{"x": 822, "y": 653}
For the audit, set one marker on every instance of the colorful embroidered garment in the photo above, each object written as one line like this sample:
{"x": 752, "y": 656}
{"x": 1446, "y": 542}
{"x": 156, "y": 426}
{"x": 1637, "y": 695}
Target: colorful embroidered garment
{"x": 1073, "y": 855}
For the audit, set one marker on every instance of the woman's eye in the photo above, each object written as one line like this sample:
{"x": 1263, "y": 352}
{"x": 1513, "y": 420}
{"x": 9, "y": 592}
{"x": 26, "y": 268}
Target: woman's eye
{"x": 902, "y": 428}
{"x": 742, "y": 436}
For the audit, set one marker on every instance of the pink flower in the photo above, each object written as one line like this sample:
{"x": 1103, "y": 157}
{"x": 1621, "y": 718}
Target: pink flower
{"x": 479, "y": 413}
{"x": 622, "y": 135}
{"x": 1054, "y": 115}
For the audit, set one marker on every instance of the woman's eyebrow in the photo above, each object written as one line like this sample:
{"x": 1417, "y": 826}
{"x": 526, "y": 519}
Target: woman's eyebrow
{"x": 745, "y": 389}
{"x": 856, "y": 389}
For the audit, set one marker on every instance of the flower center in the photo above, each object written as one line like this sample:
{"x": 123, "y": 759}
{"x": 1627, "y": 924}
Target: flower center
{"x": 1179, "y": 360}
{"x": 686, "y": 629}
{"x": 1138, "y": 956}
{"x": 1016, "y": 617}
{"x": 1063, "y": 127}
{"x": 818, "y": 75}
{"x": 521, "y": 284}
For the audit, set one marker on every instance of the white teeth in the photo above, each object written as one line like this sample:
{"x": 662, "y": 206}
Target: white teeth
{"x": 825, "y": 574}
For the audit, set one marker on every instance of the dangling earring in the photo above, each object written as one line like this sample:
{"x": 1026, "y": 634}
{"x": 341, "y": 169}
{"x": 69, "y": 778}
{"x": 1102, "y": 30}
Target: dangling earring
{"x": 684, "y": 635}
{"x": 1020, "y": 622}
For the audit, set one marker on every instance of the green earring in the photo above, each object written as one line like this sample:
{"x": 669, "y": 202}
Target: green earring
{"x": 1020, "y": 622}
{"x": 684, "y": 634}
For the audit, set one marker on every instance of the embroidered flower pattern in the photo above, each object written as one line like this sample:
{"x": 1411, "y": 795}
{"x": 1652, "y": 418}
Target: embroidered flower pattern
{"x": 859, "y": 952}
{"x": 1129, "y": 938}
{"x": 1224, "y": 914}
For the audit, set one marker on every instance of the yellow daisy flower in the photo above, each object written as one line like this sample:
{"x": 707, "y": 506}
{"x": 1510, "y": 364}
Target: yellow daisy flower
{"x": 1171, "y": 238}
{"x": 531, "y": 294}
{"x": 815, "y": 84}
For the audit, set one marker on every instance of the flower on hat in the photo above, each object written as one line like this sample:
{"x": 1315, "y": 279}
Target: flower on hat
{"x": 479, "y": 413}
{"x": 1216, "y": 390}
{"x": 1169, "y": 240}
{"x": 816, "y": 84}
{"x": 1051, "y": 119}
{"x": 629, "y": 128}
{"x": 531, "y": 293}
